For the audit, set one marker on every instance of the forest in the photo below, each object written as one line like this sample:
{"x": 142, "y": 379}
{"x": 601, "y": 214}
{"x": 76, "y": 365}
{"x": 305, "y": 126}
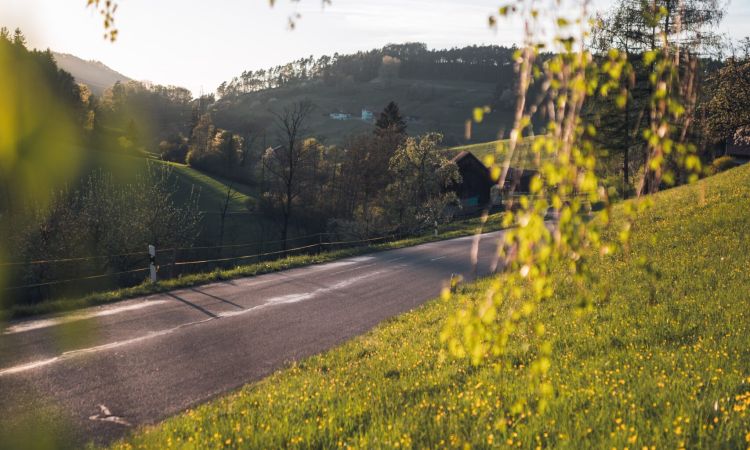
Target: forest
{"x": 487, "y": 64}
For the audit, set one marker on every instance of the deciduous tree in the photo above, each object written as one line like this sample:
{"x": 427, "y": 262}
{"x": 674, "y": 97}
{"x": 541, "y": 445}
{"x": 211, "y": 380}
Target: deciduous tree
{"x": 288, "y": 163}
{"x": 421, "y": 173}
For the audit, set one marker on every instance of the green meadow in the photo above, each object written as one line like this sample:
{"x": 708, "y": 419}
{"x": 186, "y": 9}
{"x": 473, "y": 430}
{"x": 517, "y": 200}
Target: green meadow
{"x": 661, "y": 361}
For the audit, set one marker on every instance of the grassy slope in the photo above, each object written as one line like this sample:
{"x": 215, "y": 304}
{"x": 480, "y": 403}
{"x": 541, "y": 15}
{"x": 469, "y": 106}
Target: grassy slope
{"x": 212, "y": 192}
{"x": 212, "y": 188}
{"x": 664, "y": 362}
{"x": 498, "y": 150}
{"x": 439, "y": 105}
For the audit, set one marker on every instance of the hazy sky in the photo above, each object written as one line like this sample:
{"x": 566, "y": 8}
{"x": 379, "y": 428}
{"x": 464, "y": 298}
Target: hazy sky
{"x": 200, "y": 43}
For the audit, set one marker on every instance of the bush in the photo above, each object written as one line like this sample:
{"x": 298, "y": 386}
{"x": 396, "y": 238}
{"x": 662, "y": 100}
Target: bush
{"x": 174, "y": 149}
{"x": 721, "y": 164}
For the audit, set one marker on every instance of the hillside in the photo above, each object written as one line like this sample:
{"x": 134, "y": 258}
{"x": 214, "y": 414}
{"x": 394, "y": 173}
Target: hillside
{"x": 428, "y": 105}
{"x": 241, "y": 225}
{"x": 662, "y": 362}
{"x": 96, "y": 75}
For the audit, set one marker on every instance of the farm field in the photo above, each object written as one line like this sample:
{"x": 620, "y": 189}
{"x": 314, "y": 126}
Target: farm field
{"x": 661, "y": 361}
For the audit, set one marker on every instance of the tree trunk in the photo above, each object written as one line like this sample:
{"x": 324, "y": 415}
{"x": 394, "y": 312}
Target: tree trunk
{"x": 626, "y": 155}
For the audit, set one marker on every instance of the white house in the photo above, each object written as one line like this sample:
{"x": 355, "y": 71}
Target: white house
{"x": 340, "y": 116}
{"x": 367, "y": 115}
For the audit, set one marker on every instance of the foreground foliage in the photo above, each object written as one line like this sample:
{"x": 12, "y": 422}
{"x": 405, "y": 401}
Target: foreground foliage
{"x": 662, "y": 362}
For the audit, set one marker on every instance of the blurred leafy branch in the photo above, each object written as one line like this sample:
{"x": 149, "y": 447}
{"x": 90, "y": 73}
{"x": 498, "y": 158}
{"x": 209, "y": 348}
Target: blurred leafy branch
{"x": 566, "y": 186}
{"x": 108, "y": 8}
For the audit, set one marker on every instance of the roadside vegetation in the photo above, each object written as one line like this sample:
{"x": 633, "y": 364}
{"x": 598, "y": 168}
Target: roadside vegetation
{"x": 660, "y": 362}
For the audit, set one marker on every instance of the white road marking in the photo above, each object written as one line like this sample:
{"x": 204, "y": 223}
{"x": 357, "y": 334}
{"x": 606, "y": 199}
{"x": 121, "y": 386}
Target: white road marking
{"x": 72, "y": 353}
{"x": 439, "y": 258}
{"x": 106, "y": 416}
{"x": 357, "y": 259}
{"x": 45, "y": 323}
{"x": 295, "y": 298}
{"x": 29, "y": 366}
{"x": 284, "y": 299}
{"x": 254, "y": 281}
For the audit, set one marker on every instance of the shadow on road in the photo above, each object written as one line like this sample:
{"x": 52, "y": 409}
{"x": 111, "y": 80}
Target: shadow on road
{"x": 217, "y": 298}
{"x": 203, "y": 310}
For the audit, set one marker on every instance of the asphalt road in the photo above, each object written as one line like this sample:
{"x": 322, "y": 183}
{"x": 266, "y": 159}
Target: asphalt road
{"x": 104, "y": 371}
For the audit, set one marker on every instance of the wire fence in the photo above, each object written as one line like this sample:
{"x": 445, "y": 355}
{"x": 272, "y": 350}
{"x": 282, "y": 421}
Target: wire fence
{"x": 36, "y": 280}
{"x": 168, "y": 263}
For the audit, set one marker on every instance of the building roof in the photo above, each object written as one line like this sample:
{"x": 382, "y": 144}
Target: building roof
{"x": 737, "y": 149}
{"x": 464, "y": 154}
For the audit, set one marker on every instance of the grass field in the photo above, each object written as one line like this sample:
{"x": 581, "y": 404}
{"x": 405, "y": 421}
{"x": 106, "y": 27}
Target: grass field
{"x": 663, "y": 362}
{"x": 241, "y": 225}
{"x": 524, "y": 157}
{"x": 212, "y": 188}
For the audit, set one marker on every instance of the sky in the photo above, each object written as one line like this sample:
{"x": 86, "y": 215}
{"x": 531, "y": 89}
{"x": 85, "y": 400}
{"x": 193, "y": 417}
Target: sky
{"x": 200, "y": 43}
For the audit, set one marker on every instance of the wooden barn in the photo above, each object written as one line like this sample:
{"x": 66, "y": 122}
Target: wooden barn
{"x": 474, "y": 189}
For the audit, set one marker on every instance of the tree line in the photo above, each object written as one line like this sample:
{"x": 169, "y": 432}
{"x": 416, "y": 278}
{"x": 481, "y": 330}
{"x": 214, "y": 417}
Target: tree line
{"x": 375, "y": 182}
{"x": 638, "y": 30}
{"x": 410, "y": 61}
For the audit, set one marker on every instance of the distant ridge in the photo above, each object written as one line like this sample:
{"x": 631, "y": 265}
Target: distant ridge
{"x": 96, "y": 75}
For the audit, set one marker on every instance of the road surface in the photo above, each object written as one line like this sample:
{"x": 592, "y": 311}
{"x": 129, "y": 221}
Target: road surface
{"x": 109, "y": 369}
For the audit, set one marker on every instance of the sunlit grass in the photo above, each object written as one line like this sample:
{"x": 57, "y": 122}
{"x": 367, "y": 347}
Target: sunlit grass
{"x": 212, "y": 189}
{"x": 662, "y": 362}
{"x": 241, "y": 225}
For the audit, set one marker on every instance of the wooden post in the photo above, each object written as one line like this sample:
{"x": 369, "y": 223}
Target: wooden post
{"x": 152, "y": 263}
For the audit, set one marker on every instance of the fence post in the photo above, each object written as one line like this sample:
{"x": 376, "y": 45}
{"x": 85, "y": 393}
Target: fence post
{"x": 152, "y": 262}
